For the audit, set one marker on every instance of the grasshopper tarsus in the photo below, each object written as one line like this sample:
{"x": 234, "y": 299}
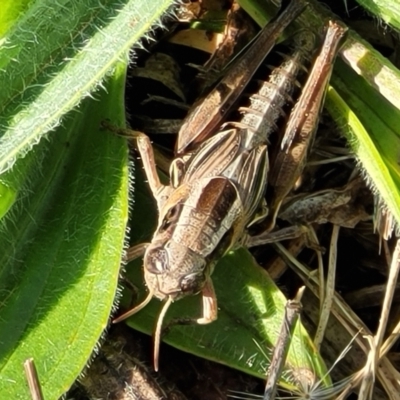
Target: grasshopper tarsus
{"x": 123, "y": 132}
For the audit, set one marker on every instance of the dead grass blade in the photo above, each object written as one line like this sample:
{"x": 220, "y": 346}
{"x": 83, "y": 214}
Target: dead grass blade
{"x": 329, "y": 291}
{"x": 292, "y": 312}
{"x": 384, "y": 370}
{"x": 33, "y": 380}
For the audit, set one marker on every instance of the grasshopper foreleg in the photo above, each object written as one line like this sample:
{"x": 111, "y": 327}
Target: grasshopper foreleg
{"x": 146, "y": 152}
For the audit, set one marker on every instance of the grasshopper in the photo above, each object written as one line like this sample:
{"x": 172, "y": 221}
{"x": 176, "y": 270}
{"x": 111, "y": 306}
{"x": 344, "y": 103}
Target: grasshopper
{"x": 217, "y": 186}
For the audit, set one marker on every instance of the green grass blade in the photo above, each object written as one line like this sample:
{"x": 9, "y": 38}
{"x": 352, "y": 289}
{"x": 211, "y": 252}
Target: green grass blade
{"x": 376, "y": 70}
{"x": 388, "y": 10}
{"x": 57, "y": 53}
{"x": 61, "y": 246}
{"x": 7, "y": 198}
{"x": 10, "y": 11}
{"x": 369, "y": 123}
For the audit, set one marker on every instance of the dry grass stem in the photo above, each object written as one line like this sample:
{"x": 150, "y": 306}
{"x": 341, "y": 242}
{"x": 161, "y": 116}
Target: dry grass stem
{"x": 390, "y": 341}
{"x": 321, "y": 274}
{"x": 330, "y": 289}
{"x": 292, "y": 312}
{"x": 390, "y": 289}
{"x": 386, "y": 373}
{"x": 33, "y": 380}
{"x": 330, "y": 160}
{"x": 366, "y": 390}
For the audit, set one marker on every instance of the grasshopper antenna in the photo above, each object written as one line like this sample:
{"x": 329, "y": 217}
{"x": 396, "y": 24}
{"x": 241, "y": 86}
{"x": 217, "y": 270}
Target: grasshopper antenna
{"x": 157, "y": 332}
{"x": 135, "y": 309}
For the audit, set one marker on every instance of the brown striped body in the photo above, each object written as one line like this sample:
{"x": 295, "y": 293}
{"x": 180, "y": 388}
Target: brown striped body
{"x": 220, "y": 187}
{"x": 217, "y": 187}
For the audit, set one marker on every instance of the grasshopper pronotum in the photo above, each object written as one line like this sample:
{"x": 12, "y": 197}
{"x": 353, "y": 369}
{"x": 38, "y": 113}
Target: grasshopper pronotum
{"x": 217, "y": 187}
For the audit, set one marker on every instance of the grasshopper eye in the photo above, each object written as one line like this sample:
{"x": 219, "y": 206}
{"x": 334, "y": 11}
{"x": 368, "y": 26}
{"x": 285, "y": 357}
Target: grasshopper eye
{"x": 192, "y": 283}
{"x": 156, "y": 261}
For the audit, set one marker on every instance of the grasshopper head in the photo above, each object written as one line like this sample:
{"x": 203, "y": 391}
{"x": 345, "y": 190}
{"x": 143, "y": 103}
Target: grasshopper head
{"x": 174, "y": 270}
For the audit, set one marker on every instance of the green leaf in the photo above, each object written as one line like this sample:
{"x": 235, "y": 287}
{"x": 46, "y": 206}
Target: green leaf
{"x": 7, "y": 198}
{"x": 370, "y": 124}
{"x": 10, "y": 11}
{"x": 261, "y": 11}
{"x": 56, "y": 53}
{"x": 388, "y": 10}
{"x": 61, "y": 246}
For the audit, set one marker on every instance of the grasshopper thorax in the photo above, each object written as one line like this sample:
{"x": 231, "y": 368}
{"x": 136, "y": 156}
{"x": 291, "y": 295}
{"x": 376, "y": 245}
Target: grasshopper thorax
{"x": 192, "y": 223}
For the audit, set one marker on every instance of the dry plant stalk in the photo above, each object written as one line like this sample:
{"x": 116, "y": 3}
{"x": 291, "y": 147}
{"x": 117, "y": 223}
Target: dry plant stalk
{"x": 32, "y": 378}
{"x": 292, "y": 312}
{"x": 377, "y": 365}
